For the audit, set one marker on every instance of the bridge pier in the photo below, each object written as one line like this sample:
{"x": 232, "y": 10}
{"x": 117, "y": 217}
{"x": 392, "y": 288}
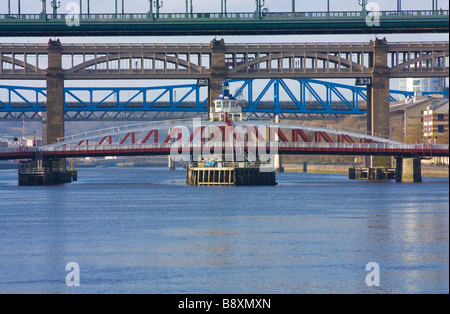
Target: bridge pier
{"x": 278, "y": 164}
{"x": 43, "y": 171}
{"x": 378, "y": 101}
{"x": 170, "y": 161}
{"x": 408, "y": 170}
{"x": 218, "y": 71}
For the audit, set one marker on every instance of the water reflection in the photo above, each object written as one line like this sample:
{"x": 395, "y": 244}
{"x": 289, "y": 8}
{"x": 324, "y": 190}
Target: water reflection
{"x": 314, "y": 234}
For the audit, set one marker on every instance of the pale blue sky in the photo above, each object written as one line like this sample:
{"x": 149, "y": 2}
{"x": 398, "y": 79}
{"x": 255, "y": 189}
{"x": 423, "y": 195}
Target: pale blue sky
{"x": 136, "y": 6}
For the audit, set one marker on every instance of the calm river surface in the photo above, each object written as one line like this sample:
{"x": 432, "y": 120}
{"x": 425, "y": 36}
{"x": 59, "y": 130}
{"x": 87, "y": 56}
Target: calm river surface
{"x": 143, "y": 230}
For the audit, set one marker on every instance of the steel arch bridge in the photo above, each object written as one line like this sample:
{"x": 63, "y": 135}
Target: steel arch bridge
{"x": 289, "y": 98}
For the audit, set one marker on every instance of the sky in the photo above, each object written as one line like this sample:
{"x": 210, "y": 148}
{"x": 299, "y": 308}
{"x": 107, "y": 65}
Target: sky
{"x": 172, "y": 6}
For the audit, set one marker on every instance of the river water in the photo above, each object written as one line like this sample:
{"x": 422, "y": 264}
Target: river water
{"x": 143, "y": 230}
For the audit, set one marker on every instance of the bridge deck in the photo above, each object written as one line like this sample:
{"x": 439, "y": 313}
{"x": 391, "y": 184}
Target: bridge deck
{"x": 353, "y": 149}
{"x": 247, "y": 23}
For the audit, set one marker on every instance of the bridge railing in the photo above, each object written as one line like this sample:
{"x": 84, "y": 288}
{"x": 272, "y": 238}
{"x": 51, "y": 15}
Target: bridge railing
{"x": 32, "y": 149}
{"x": 122, "y": 129}
{"x": 218, "y": 15}
{"x": 372, "y": 147}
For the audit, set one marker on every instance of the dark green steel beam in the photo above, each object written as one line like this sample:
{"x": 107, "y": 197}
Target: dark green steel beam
{"x": 232, "y": 24}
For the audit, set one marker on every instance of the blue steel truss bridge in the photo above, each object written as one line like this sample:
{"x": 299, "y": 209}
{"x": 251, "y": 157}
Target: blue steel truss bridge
{"x": 291, "y": 99}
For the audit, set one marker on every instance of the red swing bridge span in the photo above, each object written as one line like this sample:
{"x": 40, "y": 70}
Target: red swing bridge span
{"x": 188, "y": 139}
{"x": 168, "y": 137}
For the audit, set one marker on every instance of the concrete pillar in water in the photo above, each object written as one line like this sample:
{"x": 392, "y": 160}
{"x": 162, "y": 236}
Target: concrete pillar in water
{"x": 412, "y": 170}
{"x": 378, "y": 112}
{"x": 55, "y": 99}
{"x": 277, "y": 158}
{"x": 398, "y": 169}
{"x": 171, "y": 163}
{"x": 51, "y": 171}
{"x": 408, "y": 170}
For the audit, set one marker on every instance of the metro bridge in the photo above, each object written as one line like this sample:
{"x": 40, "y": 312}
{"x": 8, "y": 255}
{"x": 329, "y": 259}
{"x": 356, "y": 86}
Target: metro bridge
{"x": 302, "y": 99}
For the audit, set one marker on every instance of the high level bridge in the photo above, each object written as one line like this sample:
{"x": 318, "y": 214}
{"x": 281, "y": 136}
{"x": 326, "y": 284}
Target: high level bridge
{"x": 233, "y": 61}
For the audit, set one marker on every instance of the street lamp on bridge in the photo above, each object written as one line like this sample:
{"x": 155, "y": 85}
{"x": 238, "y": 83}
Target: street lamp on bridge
{"x": 55, "y": 7}
{"x": 259, "y": 5}
{"x": 43, "y": 14}
{"x": 363, "y": 4}
{"x": 224, "y": 7}
{"x": 158, "y": 5}
{"x": 435, "y": 5}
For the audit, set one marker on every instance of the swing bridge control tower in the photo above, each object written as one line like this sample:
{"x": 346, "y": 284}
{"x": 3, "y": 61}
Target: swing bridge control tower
{"x": 234, "y": 164}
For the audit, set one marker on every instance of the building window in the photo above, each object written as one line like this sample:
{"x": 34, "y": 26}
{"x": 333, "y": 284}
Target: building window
{"x": 440, "y": 117}
{"x": 440, "y": 129}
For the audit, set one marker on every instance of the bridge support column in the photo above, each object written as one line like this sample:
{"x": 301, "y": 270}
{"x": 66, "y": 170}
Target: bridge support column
{"x": 43, "y": 171}
{"x": 218, "y": 70}
{"x": 378, "y": 112}
{"x": 278, "y": 164}
{"x": 171, "y": 162}
{"x": 55, "y": 99}
{"x": 408, "y": 170}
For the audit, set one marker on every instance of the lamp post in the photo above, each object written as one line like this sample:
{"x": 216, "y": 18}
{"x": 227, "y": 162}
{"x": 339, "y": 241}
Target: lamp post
{"x": 43, "y": 14}
{"x": 363, "y": 3}
{"x": 224, "y": 7}
{"x": 158, "y": 6}
{"x": 259, "y": 5}
{"x": 55, "y": 7}
{"x": 399, "y": 6}
{"x": 435, "y": 5}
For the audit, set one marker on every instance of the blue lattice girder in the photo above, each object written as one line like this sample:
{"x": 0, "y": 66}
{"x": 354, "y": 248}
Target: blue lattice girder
{"x": 277, "y": 96}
